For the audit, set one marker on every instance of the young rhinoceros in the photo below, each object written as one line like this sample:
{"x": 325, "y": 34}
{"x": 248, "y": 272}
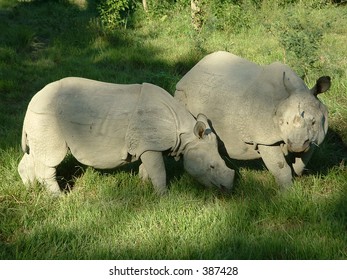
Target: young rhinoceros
{"x": 107, "y": 125}
{"x": 257, "y": 111}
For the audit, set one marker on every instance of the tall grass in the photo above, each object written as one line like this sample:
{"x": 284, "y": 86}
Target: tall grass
{"x": 112, "y": 214}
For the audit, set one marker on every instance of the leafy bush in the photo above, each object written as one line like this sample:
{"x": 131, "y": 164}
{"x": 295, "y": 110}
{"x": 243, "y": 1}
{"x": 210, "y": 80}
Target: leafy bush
{"x": 115, "y": 13}
{"x": 160, "y": 8}
{"x": 224, "y": 15}
{"x": 301, "y": 37}
{"x": 232, "y": 16}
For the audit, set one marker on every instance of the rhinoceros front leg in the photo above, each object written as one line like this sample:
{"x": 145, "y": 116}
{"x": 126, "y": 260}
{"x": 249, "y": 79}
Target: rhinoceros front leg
{"x": 143, "y": 172}
{"x": 301, "y": 162}
{"x": 275, "y": 161}
{"x": 153, "y": 167}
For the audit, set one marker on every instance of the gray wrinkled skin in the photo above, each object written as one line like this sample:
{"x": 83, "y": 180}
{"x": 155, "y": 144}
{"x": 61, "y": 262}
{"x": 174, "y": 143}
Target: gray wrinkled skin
{"x": 257, "y": 111}
{"x": 106, "y": 125}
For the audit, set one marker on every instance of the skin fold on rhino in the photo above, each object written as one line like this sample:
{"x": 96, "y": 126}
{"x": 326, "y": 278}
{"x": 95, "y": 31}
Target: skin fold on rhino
{"x": 106, "y": 125}
{"x": 258, "y": 111}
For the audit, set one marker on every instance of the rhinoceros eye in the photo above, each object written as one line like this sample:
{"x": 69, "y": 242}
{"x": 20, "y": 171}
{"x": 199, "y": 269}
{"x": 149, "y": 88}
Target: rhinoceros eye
{"x": 313, "y": 121}
{"x": 212, "y": 166}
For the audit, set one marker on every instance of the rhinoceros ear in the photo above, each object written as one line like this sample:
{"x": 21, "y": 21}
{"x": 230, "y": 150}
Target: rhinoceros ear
{"x": 201, "y": 127}
{"x": 288, "y": 83}
{"x": 322, "y": 85}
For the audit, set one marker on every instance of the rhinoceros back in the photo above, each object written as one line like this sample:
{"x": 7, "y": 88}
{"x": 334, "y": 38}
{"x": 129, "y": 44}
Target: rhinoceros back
{"x": 240, "y": 97}
{"x": 220, "y": 73}
{"x": 92, "y": 116}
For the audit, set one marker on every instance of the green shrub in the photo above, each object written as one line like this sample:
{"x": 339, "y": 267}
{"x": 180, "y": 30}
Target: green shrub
{"x": 301, "y": 36}
{"x": 159, "y": 8}
{"x": 228, "y": 16}
{"x": 115, "y": 13}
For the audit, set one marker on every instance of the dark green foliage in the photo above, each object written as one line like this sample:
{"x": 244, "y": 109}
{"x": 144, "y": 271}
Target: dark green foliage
{"x": 228, "y": 16}
{"x": 115, "y": 13}
{"x": 300, "y": 37}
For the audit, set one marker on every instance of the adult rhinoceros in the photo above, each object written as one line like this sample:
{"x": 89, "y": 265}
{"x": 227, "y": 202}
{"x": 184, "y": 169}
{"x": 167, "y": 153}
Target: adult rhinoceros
{"x": 106, "y": 125}
{"x": 258, "y": 111}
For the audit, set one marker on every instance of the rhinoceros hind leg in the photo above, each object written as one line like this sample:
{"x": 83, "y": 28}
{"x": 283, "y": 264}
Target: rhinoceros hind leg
{"x": 275, "y": 161}
{"x": 154, "y": 167}
{"x": 29, "y": 170}
{"x": 47, "y": 176}
{"x": 26, "y": 169}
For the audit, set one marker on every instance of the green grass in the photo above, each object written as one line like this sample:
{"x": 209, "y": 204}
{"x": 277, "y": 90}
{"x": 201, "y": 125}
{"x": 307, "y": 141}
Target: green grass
{"x": 112, "y": 214}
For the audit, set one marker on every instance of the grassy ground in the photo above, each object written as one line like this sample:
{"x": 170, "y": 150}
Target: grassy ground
{"x": 112, "y": 214}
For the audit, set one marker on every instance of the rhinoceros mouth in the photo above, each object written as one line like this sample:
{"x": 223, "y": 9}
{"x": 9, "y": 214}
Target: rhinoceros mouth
{"x": 221, "y": 187}
{"x": 224, "y": 189}
{"x": 295, "y": 148}
{"x": 298, "y": 151}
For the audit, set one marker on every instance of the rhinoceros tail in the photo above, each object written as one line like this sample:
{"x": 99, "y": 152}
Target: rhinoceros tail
{"x": 24, "y": 144}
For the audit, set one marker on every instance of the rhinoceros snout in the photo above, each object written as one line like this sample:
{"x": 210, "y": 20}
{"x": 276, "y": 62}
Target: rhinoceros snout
{"x": 297, "y": 147}
{"x": 223, "y": 181}
{"x": 228, "y": 181}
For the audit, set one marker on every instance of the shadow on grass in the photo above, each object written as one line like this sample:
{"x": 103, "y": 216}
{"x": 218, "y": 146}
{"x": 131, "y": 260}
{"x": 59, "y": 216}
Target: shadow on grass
{"x": 70, "y": 170}
{"x": 331, "y": 153}
{"x": 254, "y": 239}
{"x": 43, "y": 41}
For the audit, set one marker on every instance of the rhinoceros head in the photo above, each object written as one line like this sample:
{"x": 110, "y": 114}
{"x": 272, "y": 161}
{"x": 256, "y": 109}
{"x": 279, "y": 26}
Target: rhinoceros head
{"x": 202, "y": 160}
{"x": 302, "y": 117}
